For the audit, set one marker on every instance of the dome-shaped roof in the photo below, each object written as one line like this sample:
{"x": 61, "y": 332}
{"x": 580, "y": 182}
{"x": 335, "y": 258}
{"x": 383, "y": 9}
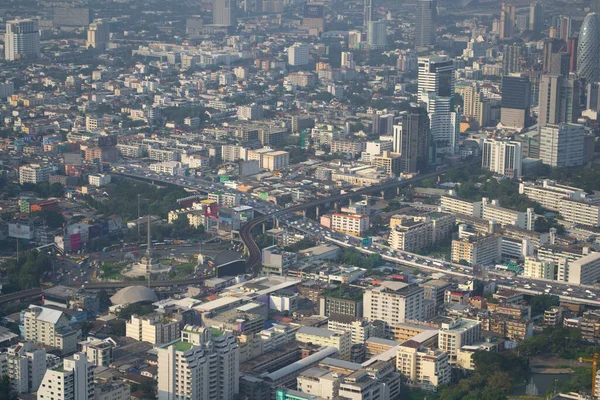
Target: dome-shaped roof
{"x": 588, "y": 49}
{"x": 133, "y": 294}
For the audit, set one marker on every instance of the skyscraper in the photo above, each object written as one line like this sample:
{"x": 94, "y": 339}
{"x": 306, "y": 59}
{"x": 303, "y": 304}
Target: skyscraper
{"x": 203, "y": 365}
{"x": 73, "y": 380}
{"x": 224, "y": 12}
{"x": 376, "y": 35}
{"x": 511, "y": 58}
{"x": 572, "y": 44}
{"x": 562, "y": 145}
{"x": 411, "y": 137}
{"x": 559, "y": 100}
{"x": 588, "y": 50}
{"x": 551, "y": 47}
{"x": 595, "y": 6}
{"x": 516, "y": 101}
{"x": 436, "y": 91}
{"x": 593, "y": 96}
{"x": 22, "y": 39}
{"x": 508, "y": 17}
{"x": 503, "y": 157}
{"x": 536, "y": 17}
{"x": 98, "y": 34}
{"x": 298, "y": 54}
{"x": 368, "y": 12}
{"x": 425, "y": 23}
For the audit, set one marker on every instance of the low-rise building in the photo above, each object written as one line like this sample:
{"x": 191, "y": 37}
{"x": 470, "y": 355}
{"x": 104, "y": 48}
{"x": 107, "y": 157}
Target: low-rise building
{"x": 411, "y": 234}
{"x": 153, "y": 328}
{"x": 352, "y": 224}
{"x": 484, "y": 250}
{"x": 324, "y": 337}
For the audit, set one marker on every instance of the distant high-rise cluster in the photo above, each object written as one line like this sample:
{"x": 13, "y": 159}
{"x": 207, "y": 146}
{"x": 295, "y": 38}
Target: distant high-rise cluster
{"x": 508, "y": 18}
{"x": 224, "y": 12}
{"x": 98, "y": 34}
{"x": 536, "y": 17}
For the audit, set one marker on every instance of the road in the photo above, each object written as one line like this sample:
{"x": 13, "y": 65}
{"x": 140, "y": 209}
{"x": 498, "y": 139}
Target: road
{"x": 255, "y": 255}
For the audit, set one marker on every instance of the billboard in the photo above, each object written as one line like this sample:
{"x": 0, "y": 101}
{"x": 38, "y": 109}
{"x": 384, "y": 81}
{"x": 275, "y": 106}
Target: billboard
{"x": 313, "y": 11}
{"x": 75, "y": 241}
{"x": 232, "y": 268}
{"x": 20, "y": 231}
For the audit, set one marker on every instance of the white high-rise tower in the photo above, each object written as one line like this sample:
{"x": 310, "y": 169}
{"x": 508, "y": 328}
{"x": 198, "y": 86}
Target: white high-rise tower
{"x": 22, "y": 39}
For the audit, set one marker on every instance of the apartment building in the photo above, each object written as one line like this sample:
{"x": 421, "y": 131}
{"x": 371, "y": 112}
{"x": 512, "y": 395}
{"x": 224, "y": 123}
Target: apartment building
{"x": 112, "y": 391}
{"x": 515, "y": 329}
{"x": 347, "y": 146}
{"x": 458, "y": 206}
{"x": 50, "y": 327}
{"x": 275, "y": 160}
{"x": 202, "y": 365}
{"x": 25, "y": 367}
{"x": 540, "y": 269}
{"x": 232, "y": 153}
{"x": 424, "y": 368}
{"x": 377, "y": 381}
{"x": 584, "y": 271}
{"x": 276, "y": 261}
{"x": 319, "y": 382}
{"x": 550, "y": 194}
{"x": 163, "y": 155}
{"x": 173, "y": 168}
{"x": 458, "y": 332}
{"x": 72, "y": 380}
{"x": 347, "y": 301}
{"x": 579, "y": 212}
{"x": 556, "y": 253}
{"x": 391, "y": 163}
{"x": 153, "y": 328}
{"x": 434, "y": 290}
{"x": 323, "y": 337}
{"x": 483, "y": 250}
{"x": 553, "y": 316}
{"x": 394, "y": 303}
{"x": 98, "y": 351}
{"x": 34, "y": 173}
{"x": 353, "y": 224}
{"x": 359, "y": 328}
{"x": 131, "y": 150}
{"x": 504, "y": 216}
{"x": 411, "y": 234}
{"x": 99, "y": 180}
{"x": 225, "y": 199}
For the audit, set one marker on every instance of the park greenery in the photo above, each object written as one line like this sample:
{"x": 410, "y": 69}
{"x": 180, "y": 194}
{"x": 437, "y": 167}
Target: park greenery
{"x": 25, "y": 272}
{"x": 560, "y": 342}
{"x": 123, "y": 200}
{"x": 493, "y": 379}
{"x": 542, "y": 302}
{"x": 352, "y": 256}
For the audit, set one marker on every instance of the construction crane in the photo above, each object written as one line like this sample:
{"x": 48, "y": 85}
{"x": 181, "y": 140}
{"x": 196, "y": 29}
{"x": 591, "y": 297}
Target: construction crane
{"x": 594, "y": 362}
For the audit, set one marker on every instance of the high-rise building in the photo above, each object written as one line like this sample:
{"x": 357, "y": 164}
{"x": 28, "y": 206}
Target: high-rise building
{"x": 224, "y": 12}
{"x": 572, "y": 44}
{"x": 564, "y": 30}
{"x": 508, "y": 19}
{"x": 593, "y": 96}
{"x": 551, "y": 48}
{"x": 368, "y": 12}
{"x": 595, "y": 6}
{"x": 560, "y": 63}
{"x": 98, "y": 34}
{"x": 470, "y": 94}
{"x": 394, "y": 303}
{"x": 456, "y": 333}
{"x": 203, "y": 365}
{"x": 298, "y": 55}
{"x": 559, "y": 100}
{"x": 436, "y": 90}
{"x": 411, "y": 138}
{"x": 425, "y": 23}
{"x": 376, "y": 34}
{"x": 71, "y": 16}
{"x": 25, "y": 367}
{"x": 516, "y": 101}
{"x": 562, "y": 145}
{"x": 588, "y": 49}
{"x": 73, "y": 380}
{"x": 511, "y": 58}
{"x": 22, "y": 39}
{"x": 423, "y": 368}
{"x": 502, "y": 157}
{"x": 536, "y": 17}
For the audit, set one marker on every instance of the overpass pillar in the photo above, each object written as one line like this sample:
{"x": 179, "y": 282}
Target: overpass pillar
{"x": 276, "y": 223}
{"x": 304, "y": 213}
{"x": 317, "y": 211}
{"x": 383, "y": 194}
{"x": 264, "y": 228}
{"x": 398, "y": 191}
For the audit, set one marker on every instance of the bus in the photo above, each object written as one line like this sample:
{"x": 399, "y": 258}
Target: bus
{"x": 111, "y": 247}
{"x": 82, "y": 262}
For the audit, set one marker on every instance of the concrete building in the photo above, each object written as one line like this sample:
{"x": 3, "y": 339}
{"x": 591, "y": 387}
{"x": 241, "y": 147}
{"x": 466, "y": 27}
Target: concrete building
{"x": 584, "y": 271}
{"x": 276, "y": 261}
{"x": 516, "y": 101}
{"x": 411, "y": 140}
{"x": 394, "y": 303}
{"x": 225, "y": 199}
{"x": 424, "y": 368}
{"x": 224, "y": 12}
{"x": 34, "y": 173}
{"x": 50, "y": 327}
{"x": 503, "y": 157}
{"x": 376, "y": 34}
{"x": 562, "y": 145}
{"x": 99, "y": 351}
{"x": 153, "y": 328}
{"x": 421, "y": 232}
{"x": 559, "y": 100}
{"x": 508, "y": 21}
{"x": 458, "y": 332}
{"x": 22, "y": 39}
{"x": 98, "y": 34}
{"x": 99, "y": 180}
{"x": 348, "y": 301}
{"x": 323, "y": 337}
{"x": 298, "y": 55}
{"x": 319, "y": 382}
{"x": 455, "y": 205}
{"x": 360, "y": 329}
{"x": 73, "y": 380}
{"x": 25, "y": 367}
{"x": 484, "y": 250}
{"x": 202, "y": 365}
{"x": 434, "y": 290}
{"x": 539, "y": 269}
{"x": 550, "y": 195}
{"x": 507, "y": 217}
{"x": 425, "y": 23}
{"x": 352, "y": 224}
{"x": 275, "y": 160}
{"x": 112, "y": 391}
